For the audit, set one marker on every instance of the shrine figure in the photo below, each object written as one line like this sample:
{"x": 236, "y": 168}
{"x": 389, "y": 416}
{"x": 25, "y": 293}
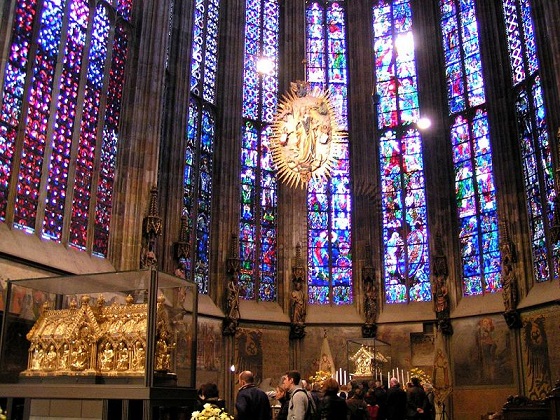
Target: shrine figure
{"x": 139, "y": 357}
{"x": 106, "y": 358}
{"x": 49, "y": 362}
{"x": 37, "y": 357}
{"x": 162, "y": 355}
{"x": 64, "y": 360}
{"x": 79, "y": 355}
{"x": 122, "y": 357}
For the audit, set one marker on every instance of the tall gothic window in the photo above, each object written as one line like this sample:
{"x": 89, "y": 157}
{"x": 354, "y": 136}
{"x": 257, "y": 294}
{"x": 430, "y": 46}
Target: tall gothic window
{"x": 475, "y": 191}
{"x": 60, "y": 106}
{"x": 406, "y": 266}
{"x": 200, "y": 137}
{"x": 258, "y": 212}
{"x": 329, "y": 204}
{"x": 534, "y": 141}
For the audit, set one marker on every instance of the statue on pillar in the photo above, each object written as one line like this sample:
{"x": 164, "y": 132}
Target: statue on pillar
{"x": 371, "y": 292}
{"x": 298, "y": 298}
{"x": 231, "y": 320}
{"x": 439, "y": 287}
{"x": 151, "y": 229}
{"x": 182, "y": 250}
{"x": 509, "y": 280}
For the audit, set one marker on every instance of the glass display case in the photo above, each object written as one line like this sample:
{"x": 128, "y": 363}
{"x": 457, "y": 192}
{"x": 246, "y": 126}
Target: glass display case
{"x": 368, "y": 359}
{"x": 120, "y": 335}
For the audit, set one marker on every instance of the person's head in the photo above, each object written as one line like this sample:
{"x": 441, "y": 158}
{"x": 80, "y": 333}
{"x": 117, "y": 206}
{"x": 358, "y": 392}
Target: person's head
{"x": 292, "y": 379}
{"x": 210, "y": 390}
{"x": 393, "y": 382}
{"x": 358, "y": 394}
{"x": 305, "y": 385}
{"x": 246, "y": 377}
{"x": 280, "y": 392}
{"x": 378, "y": 384}
{"x": 330, "y": 386}
{"x": 415, "y": 381}
{"x": 428, "y": 387}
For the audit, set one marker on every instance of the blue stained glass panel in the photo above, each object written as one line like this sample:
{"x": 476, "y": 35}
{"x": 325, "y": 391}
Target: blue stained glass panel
{"x": 403, "y": 200}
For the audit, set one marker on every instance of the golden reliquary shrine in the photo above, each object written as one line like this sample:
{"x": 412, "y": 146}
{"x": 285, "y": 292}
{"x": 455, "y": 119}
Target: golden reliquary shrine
{"x": 107, "y": 328}
{"x": 97, "y": 339}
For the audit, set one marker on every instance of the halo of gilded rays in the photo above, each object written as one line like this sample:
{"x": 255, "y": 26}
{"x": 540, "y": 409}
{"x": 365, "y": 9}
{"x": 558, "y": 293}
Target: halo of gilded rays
{"x": 293, "y": 168}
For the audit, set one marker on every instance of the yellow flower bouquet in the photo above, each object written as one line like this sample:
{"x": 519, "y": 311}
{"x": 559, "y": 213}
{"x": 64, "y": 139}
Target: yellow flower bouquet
{"x": 211, "y": 412}
{"x": 320, "y": 376}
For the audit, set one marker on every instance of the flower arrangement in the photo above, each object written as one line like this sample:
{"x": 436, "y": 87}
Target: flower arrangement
{"x": 320, "y": 376}
{"x": 420, "y": 374}
{"x": 211, "y": 412}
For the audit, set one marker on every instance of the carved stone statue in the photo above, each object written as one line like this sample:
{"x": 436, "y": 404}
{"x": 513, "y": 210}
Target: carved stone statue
{"x": 439, "y": 287}
{"x": 370, "y": 300}
{"x": 232, "y": 307}
{"x": 298, "y": 304}
{"x": 509, "y": 281}
{"x": 441, "y": 298}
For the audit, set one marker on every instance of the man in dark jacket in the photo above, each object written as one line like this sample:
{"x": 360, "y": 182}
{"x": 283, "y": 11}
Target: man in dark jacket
{"x": 396, "y": 401}
{"x": 416, "y": 400}
{"x": 252, "y": 403}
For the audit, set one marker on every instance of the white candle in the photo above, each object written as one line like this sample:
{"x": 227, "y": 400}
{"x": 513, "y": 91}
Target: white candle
{"x": 398, "y": 377}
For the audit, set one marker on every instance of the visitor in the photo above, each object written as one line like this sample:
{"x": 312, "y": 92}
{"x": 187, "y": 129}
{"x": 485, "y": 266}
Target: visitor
{"x": 357, "y": 407}
{"x": 396, "y": 401}
{"x": 430, "y": 410}
{"x": 252, "y": 403}
{"x": 416, "y": 400}
{"x": 299, "y": 399}
{"x": 283, "y": 399}
{"x": 332, "y": 407}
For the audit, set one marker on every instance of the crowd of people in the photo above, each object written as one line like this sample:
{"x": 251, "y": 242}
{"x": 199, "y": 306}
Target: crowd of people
{"x": 295, "y": 399}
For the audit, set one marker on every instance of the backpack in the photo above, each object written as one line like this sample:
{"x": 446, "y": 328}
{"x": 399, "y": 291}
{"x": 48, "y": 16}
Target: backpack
{"x": 312, "y": 412}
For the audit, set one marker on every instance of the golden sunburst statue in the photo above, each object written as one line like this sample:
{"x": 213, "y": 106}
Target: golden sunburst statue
{"x": 306, "y": 137}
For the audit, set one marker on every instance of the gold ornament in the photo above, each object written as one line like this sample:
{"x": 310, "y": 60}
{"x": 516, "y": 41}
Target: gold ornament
{"x": 306, "y": 136}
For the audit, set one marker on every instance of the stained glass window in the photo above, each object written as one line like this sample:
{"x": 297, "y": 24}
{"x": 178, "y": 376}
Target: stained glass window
{"x": 534, "y": 141}
{"x": 406, "y": 261}
{"x": 46, "y": 200}
{"x": 475, "y": 191}
{"x": 258, "y": 213}
{"x": 200, "y": 139}
{"x": 329, "y": 203}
